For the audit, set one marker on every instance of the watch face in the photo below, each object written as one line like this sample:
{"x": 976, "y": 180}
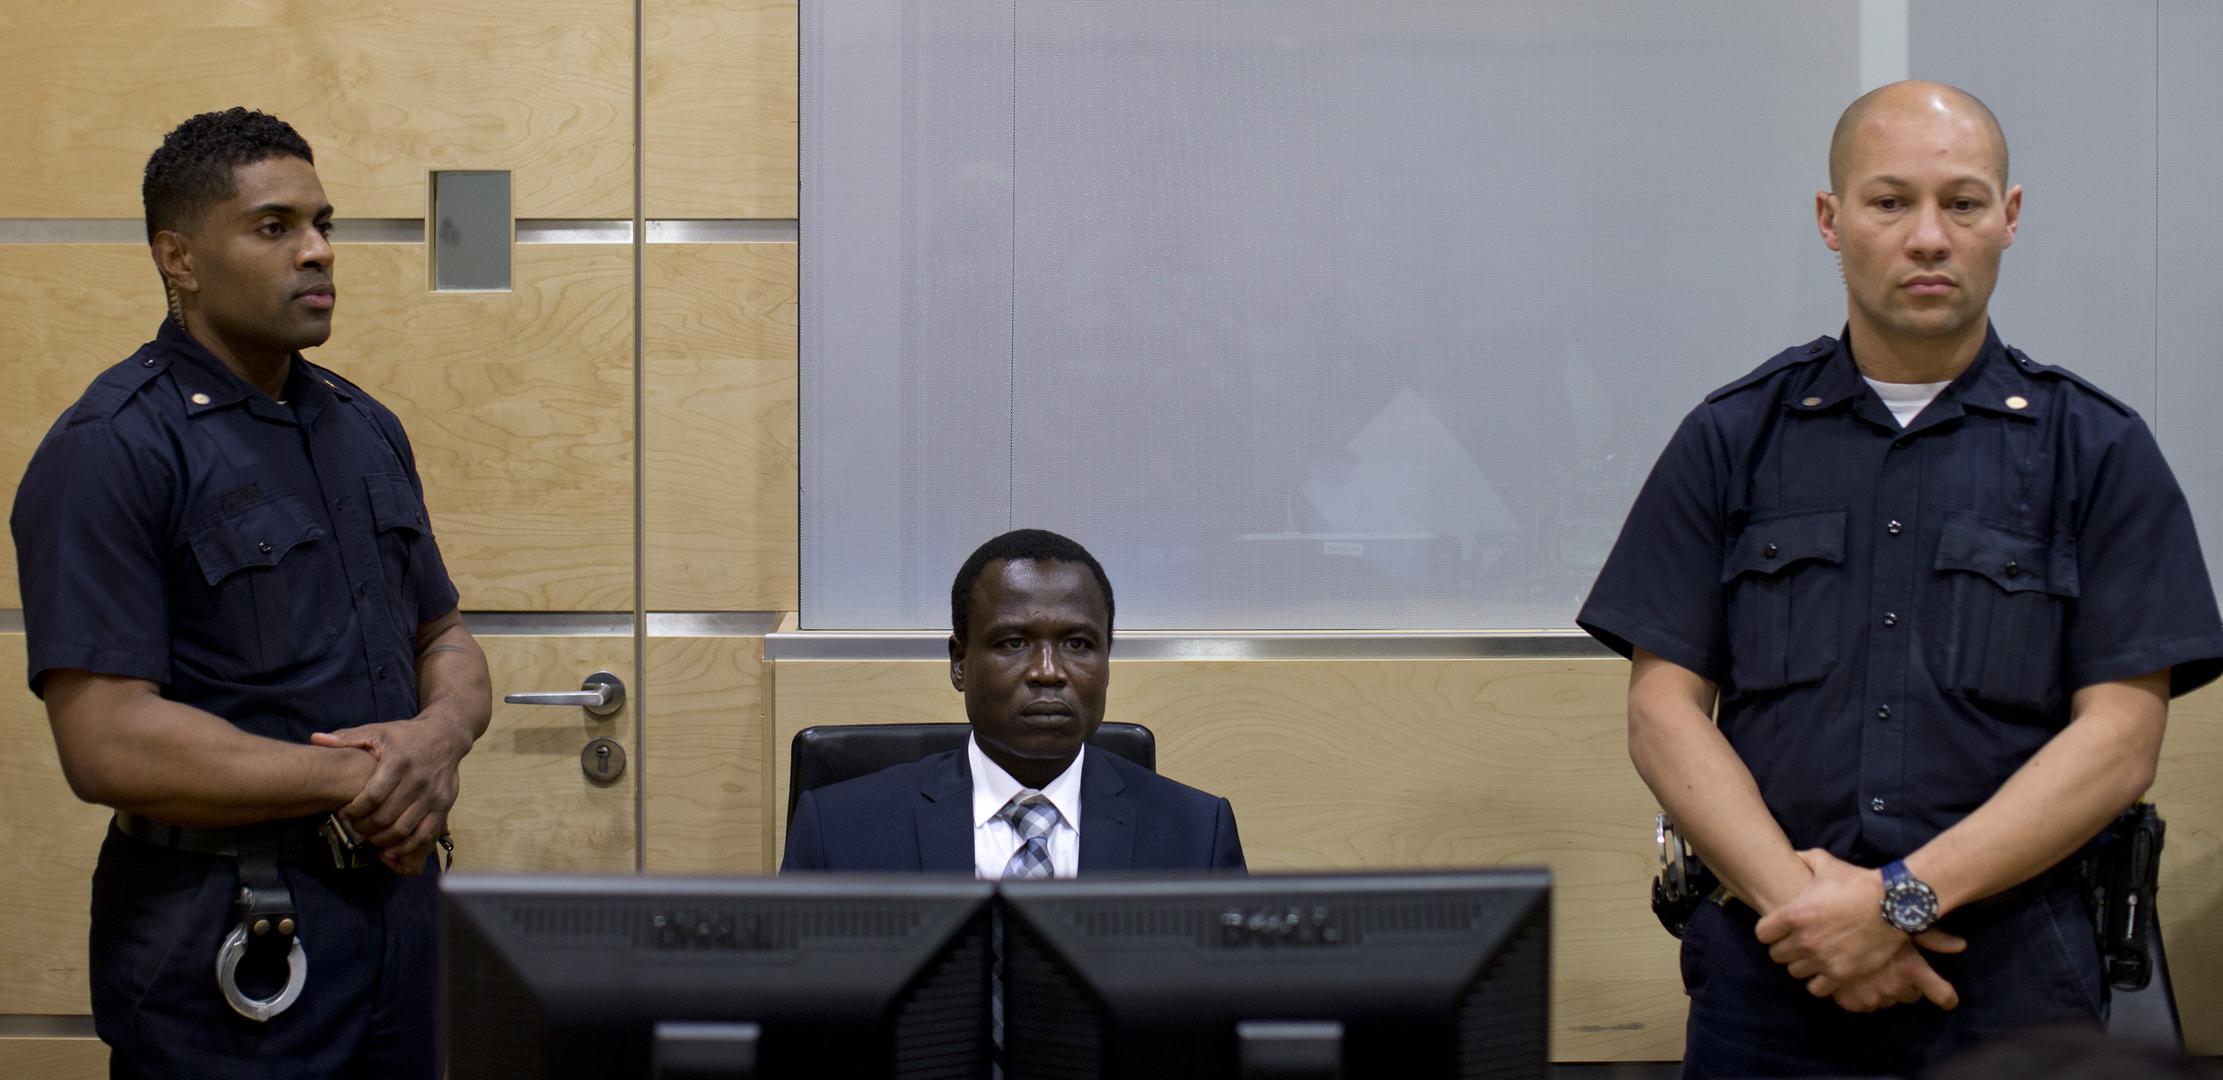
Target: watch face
{"x": 1906, "y": 908}
{"x": 1910, "y": 906}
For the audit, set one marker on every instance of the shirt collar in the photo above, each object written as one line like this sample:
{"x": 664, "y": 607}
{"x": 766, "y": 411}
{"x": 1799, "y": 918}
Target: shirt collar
{"x": 1995, "y": 382}
{"x": 993, "y": 787}
{"x": 1999, "y": 382}
{"x": 311, "y": 388}
{"x": 205, "y": 384}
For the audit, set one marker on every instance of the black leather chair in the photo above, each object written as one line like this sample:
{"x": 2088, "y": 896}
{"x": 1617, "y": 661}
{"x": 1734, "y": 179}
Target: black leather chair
{"x": 832, "y": 753}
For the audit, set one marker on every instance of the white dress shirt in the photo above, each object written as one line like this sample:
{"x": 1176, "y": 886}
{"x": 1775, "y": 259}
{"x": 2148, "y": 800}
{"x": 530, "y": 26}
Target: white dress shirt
{"x": 995, "y": 841}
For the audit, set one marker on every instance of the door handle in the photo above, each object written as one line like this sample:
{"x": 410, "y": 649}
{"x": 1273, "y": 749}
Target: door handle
{"x": 600, "y": 694}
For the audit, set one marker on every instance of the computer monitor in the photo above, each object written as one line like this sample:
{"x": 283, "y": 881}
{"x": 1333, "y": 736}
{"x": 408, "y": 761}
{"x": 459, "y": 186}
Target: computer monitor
{"x": 591, "y": 976}
{"x": 1358, "y": 975}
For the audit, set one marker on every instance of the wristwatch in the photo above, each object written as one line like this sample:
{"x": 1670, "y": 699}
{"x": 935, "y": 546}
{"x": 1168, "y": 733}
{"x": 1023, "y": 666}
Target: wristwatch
{"x": 1908, "y": 903}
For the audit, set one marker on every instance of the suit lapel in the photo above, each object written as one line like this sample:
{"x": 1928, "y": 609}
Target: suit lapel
{"x": 1107, "y": 817}
{"x": 944, "y": 819}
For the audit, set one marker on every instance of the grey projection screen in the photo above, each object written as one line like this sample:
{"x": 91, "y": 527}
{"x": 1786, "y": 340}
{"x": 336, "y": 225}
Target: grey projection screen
{"x": 1335, "y": 314}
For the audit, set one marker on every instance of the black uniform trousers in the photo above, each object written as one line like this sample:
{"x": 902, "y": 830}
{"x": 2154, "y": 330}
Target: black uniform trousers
{"x": 2030, "y": 962}
{"x": 368, "y": 1009}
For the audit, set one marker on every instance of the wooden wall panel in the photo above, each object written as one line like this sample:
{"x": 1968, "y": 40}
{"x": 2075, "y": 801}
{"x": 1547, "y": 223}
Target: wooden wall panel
{"x": 721, "y": 85}
{"x": 2189, "y": 793}
{"x": 519, "y": 404}
{"x": 718, "y": 326}
{"x": 54, "y": 1059}
{"x": 1379, "y": 764}
{"x": 704, "y": 756}
{"x": 1335, "y": 764}
{"x": 382, "y": 92}
{"x": 46, "y": 865}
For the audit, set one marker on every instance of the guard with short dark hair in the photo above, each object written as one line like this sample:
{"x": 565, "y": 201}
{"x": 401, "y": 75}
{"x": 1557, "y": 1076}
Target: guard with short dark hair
{"x": 249, "y": 647}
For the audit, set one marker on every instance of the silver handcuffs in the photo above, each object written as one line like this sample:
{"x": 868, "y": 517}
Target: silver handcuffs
{"x": 1681, "y": 872}
{"x": 262, "y": 914}
{"x": 260, "y": 1010}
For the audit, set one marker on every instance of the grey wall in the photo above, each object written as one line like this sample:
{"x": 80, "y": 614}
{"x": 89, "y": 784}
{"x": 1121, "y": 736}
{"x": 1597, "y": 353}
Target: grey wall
{"x": 1374, "y": 314}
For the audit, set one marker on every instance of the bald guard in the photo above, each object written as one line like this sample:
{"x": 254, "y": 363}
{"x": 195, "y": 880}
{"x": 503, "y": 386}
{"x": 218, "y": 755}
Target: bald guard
{"x": 1941, "y": 595}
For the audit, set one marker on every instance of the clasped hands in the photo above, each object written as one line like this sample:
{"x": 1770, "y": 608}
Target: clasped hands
{"x": 403, "y": 808}
{"x": 1833, "y": 936}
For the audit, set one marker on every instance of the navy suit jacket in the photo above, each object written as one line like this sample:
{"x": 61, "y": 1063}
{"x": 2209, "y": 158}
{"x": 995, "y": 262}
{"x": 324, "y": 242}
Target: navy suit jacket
{"x": 920, "y": 817}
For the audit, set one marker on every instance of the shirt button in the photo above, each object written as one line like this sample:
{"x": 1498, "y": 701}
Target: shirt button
{"x": 1894, "y": 528}
{"x": 1883, "y": 712}
{"x": 1876, "y": 805}
{"x": 381, "y": 672}
{"x": 263, "y": 546}
{"x": 362, "y": 588}
{"x": 1891, "y": 618}
{"x": 1768, "y": 552}
{"x": 2014, "y": 568}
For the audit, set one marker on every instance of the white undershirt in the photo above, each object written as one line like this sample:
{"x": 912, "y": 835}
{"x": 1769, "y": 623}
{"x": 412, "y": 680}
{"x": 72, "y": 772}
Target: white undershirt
{"x": 995, "y": 841}
{"x": 1906, "y": 400}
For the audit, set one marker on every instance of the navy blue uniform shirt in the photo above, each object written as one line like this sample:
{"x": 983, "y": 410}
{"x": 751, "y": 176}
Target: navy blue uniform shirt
{"x": 1896, "y": 619}
{"x": 267, "y": 563}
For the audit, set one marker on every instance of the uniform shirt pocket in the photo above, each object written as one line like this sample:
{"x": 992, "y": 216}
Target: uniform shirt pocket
{"x": 1783, "y": 578}
{"x": 2007, "y": 594}
{"x": 398, "y": 515}
{"x": 262, "y": 565}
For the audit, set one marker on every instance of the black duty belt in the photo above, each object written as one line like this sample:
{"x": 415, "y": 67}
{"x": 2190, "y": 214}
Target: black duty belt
{"x": 268, "y": 928}
{"x": 2116, "y": 878}
{"x": 315, "y": 841}
{"x": 2067, "y": 875}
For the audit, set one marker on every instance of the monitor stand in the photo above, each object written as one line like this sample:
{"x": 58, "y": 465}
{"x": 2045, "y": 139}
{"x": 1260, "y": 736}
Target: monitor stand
{"x": 701, "y": 1051}
{"x": 1289, "y": 1050}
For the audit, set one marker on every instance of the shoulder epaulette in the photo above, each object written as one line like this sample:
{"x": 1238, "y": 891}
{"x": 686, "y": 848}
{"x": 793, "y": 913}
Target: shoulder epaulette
{"x": 1818, "y": 349}
{"x": 114, "y": 388}
{"x": 2032, "y": 367}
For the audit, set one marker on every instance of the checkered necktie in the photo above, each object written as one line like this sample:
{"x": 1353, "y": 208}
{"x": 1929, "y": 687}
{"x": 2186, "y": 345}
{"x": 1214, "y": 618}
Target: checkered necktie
{"x": 1030, "y": 814}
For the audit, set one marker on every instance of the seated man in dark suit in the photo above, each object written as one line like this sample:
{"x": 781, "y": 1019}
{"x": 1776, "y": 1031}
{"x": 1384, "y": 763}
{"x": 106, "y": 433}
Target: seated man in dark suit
{"x": 1031, "y": 652}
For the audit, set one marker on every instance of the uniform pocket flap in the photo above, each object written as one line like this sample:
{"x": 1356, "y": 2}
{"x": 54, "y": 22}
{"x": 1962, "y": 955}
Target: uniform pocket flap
{"x": 258, "y": 534}
{"x": 2012, "y": 559}
{"x": 1772, "y": 544}
{"x": 394, "y": 503}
